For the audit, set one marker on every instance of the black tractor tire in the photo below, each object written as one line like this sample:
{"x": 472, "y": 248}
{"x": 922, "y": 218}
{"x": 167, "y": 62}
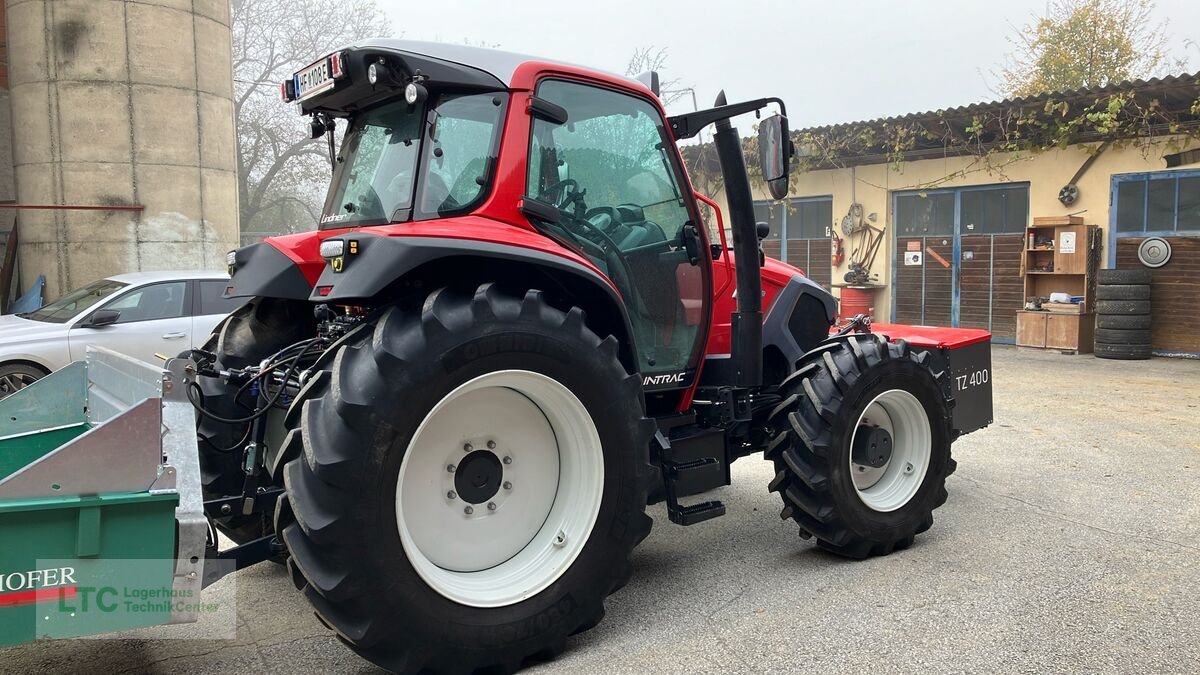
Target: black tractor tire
{"x": 813, "y": 428}
{"x": 1122, "y": 352}
{"x": 1117, "y": 336}
{"x": 1124, "y": 321}
{"x": 251, "y": 333}
{"x": 1123, "y": 292}
{"x": 338, "y": 518}
{"x": 16, "y": 376}
{"x": 1123, "y": 307}
{"x": 1134, "y": 276}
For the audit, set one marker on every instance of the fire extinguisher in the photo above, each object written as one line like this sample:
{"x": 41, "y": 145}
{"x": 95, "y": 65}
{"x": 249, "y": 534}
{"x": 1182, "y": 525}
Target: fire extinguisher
{"x": 838, "y": 255}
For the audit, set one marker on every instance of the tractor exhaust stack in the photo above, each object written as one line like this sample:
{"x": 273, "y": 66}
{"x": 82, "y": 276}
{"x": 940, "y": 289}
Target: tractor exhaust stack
{"x": 746, "y": 322}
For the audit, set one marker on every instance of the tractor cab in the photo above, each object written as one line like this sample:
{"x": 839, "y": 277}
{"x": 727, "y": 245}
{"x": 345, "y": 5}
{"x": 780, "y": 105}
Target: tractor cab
{"x": 590, "y": 163}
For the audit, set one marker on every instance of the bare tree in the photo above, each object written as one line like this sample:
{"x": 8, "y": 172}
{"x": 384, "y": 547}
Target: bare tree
{"x": 282, "y": 173}
{"x": 646, "y": 59}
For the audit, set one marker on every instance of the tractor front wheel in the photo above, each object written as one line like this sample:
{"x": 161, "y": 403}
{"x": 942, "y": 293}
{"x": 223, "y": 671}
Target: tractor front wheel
{"x": 472, "y": 482}
{"x": 861, "y": 445}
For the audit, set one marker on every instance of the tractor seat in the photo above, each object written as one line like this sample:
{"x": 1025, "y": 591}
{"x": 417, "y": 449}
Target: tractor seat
{"x": 635, "y": 230}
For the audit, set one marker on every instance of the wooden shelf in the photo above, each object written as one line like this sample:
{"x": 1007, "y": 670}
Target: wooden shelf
{"x": 1074, "y": 260}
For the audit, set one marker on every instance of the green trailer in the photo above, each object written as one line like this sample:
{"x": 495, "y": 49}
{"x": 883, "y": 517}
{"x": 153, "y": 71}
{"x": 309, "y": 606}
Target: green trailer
{"x": 101, "y": 515}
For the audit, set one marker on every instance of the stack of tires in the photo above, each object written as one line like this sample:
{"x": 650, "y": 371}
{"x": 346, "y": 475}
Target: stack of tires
{"x": 1123, "y": 314}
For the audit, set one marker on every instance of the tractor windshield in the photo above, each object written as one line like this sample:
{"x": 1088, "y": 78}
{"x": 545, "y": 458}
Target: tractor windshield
{"x": 400, "y": 162}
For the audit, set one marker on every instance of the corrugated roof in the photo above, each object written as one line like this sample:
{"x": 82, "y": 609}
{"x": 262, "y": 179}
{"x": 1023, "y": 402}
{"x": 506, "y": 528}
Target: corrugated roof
{"x": 1188, "y": 82}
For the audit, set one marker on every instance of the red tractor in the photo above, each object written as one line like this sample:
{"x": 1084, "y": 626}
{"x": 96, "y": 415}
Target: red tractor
{"x": 449, "y": 407}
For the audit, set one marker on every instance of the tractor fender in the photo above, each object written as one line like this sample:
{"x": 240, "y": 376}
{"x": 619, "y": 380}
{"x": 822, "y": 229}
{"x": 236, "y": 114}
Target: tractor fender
{"x": 372, "y": 264}
{"x": 799, "y": 319}
{"x": 262, "y": 270}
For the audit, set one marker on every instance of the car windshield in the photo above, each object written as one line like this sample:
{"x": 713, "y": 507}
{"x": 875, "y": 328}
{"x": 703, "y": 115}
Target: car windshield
{"x": 70, "y": 305}
{"x": 378, "y": 182}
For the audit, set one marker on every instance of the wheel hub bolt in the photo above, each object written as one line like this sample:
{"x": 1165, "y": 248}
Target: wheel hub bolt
{"x": 468, "y": 510}
{"x": 468, "y": 447}
{"x": 491, "y": 506}
{"x": 508, "y": 460}
{"x": 908, "y": 467}
{"x": 451, "y": 495}
{"x": 560, "y": 539}
{"x": 491, "y": 445}
{"x": 451, "y": 468}
{"x": 507, "y": 485}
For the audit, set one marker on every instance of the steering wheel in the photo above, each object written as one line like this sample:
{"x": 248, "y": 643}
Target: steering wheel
{"x": 604, "y": 218}
{"x": 562, "y": 197}
{"x": 591, "y": 235}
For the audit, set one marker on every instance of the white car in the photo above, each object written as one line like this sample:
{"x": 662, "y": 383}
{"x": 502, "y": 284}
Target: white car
{"x": 140, "y": 314}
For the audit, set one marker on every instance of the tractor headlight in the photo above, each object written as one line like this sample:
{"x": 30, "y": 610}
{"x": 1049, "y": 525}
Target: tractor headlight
{"x": 414, "y": 93}
{"x": 373, "y": 74}
{"x": 332, "y": 248}
{"x": 230, "y": 262}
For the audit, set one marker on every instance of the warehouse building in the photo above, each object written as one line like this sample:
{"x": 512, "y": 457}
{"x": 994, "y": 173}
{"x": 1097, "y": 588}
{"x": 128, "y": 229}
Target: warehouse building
{"x": 951, "y": 228}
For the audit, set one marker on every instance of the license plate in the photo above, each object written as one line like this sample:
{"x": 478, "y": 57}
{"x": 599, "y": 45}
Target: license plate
{"x": 314, "y": 79}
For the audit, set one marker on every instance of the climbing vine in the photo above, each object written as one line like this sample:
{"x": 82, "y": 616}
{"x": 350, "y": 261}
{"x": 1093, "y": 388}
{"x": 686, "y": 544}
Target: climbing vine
{"x": 992, "y": 137}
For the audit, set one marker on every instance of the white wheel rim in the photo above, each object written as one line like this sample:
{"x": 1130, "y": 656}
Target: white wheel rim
{"x": 891, "y": 486}
{"x": 510, "y": 546}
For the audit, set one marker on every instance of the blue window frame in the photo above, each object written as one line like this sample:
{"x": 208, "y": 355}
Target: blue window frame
{"x": 1156, "y": 204}
{"x": 954, "y": 213}
{"x": 988, "y": 209}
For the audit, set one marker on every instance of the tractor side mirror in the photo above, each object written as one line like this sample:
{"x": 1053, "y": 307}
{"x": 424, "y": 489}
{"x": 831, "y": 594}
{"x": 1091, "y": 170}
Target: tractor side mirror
{"x": 775, "y": 154}
{"x": 101, "y": 318}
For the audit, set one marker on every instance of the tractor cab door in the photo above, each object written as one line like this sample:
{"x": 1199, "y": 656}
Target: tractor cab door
{"x": 612, "y": 173}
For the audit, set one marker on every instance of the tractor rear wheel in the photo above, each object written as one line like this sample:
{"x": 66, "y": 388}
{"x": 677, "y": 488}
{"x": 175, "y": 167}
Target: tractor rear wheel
{"x": 473, "y": 480}
{"x": 251, "y": 333}
{"x": 861, "y": 445}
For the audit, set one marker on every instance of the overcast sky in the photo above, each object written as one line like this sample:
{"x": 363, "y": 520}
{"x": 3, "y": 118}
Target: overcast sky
{"x": 831, "y": 61}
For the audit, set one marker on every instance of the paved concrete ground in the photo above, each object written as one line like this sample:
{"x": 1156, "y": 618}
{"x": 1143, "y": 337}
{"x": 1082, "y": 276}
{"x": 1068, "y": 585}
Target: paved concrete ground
{"x": 1071, "y": 542}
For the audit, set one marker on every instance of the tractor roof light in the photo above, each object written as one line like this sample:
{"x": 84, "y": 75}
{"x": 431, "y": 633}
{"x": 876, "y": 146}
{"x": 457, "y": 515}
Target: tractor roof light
{"x": 414, "y": 93}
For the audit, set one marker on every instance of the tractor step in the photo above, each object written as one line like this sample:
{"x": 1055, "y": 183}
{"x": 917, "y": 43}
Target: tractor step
{"x": 697, "y": 513}
{"x": 693, "y": 461}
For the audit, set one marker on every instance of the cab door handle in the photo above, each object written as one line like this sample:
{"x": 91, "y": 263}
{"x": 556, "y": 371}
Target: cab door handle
{"x": 174, "y": 336}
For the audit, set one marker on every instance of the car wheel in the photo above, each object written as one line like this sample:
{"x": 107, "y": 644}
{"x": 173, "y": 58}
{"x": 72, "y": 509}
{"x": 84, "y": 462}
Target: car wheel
{"x": 16, "y": 376}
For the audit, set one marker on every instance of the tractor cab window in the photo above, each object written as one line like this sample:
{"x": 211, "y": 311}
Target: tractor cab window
{"x": 402, "y": 162}
{"x": 463, "y": 130}
{"x": 612, "y": 173}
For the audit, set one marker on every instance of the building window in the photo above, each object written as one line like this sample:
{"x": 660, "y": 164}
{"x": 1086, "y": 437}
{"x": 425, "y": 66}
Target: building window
{"x": 981, "y": 210}
{"x": 797, "y": 218}
{"x": 770, "y": 213}
{"x": 995, "y": 210}
{"x": 924, "y": 214}
{"x": 1163, "y": 203}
